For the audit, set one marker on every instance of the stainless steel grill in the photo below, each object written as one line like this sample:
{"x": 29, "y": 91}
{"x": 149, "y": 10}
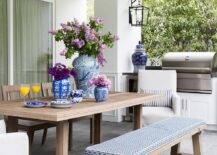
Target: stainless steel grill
{"x": 194, "y": 70}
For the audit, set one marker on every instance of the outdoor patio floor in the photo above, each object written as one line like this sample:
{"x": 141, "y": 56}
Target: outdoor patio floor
{"x": 110, "y": 130}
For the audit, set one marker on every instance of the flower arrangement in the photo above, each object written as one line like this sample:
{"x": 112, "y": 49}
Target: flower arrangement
{"x": 60, "y": 72}
{"x": 85, "y": 39}
{"x": 100, "y": 81}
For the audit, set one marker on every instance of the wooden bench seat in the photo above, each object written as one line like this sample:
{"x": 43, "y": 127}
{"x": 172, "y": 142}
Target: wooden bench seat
{"x": 153, "y": 139}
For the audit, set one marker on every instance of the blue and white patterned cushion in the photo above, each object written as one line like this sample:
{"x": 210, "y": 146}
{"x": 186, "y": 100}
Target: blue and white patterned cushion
{"x": 166, "y": 101}
{"x": 147, "y": 139}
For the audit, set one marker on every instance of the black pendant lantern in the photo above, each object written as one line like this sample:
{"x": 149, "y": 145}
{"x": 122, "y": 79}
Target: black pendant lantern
{"x": 138, "y": 14}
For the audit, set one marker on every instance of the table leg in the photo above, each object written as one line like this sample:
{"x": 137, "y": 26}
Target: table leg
{"x": 97, "y": 118}
{"x": 137, "y": 117}
{"x": 62, "y": 135}
{"x": 11, "y": 124}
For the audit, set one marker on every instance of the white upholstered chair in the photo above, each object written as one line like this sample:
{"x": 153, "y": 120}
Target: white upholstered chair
{"x": 13, "y": 143}
{"x": 164, "y": 83}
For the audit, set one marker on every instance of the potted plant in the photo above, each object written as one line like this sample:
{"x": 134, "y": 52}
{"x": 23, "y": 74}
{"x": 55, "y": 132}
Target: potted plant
{"x": 89, "y": 42}
{"x": 61, "y": 83}
{"x": 102, "y": 85}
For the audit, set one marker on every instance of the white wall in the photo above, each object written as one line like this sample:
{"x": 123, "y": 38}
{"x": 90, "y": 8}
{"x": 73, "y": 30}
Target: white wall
{"x": 129, "y": 37}
{"x": 67, "y": 10}
{"x": 108, "y": 10}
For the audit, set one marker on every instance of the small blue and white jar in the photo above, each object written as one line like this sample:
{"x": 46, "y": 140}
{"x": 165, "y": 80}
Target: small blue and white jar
{"x": 139, "y": 58}
{"x": 62, "y": 89}
{"x": 77, "y": 96}
{"x": 101, "y": 94}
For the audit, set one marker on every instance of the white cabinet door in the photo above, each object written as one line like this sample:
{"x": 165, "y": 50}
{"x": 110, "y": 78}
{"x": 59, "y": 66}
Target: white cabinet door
{"x": 197, "y": 109}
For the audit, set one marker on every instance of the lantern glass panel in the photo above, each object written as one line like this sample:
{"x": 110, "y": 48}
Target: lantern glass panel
{"x": 139, "y": 15}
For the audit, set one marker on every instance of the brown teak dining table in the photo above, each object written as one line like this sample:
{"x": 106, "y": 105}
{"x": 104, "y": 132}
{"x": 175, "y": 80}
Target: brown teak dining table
{"x": 16, "y": 109}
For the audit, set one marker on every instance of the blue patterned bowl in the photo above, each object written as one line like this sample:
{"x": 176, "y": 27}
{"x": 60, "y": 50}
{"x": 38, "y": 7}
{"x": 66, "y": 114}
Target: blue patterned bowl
{"x": 101, "y": 94}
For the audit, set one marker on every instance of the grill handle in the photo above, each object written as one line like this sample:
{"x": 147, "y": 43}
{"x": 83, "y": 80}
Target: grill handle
{"x": 189, "y": 70}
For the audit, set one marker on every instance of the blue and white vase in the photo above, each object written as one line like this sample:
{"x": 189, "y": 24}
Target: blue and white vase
{"x": 86, "y": 67}
{"x": 62, "y": 89}
{"x": 77, "y": 96}
{"x": 101, "y": 94}
{"x": 139, "y": 58}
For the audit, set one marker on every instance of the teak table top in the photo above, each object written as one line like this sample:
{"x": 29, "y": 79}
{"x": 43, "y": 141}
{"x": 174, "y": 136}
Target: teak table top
{"x": 85, "y": 108}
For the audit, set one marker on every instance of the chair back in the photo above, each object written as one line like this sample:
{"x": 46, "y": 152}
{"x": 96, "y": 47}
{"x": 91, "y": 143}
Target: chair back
{"x": 11, "y": 92}
{"x": 162, "y": 82}
{"x": 47, "y": 89}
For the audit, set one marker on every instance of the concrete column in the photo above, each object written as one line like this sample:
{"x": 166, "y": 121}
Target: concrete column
{"x": 116, "y": 19}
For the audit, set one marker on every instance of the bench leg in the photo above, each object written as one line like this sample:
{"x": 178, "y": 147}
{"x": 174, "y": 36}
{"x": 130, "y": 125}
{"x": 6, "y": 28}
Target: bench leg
{"x": 196, "y": 144}
{"x": 175, "y": 149}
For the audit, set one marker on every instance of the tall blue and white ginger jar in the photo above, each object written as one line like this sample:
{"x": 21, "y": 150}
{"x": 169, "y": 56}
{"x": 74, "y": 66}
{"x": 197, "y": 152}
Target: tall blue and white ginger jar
{"x": 86, "y": 68}
{"x": 62, "y": 89}
{"x": 139, "y": 58}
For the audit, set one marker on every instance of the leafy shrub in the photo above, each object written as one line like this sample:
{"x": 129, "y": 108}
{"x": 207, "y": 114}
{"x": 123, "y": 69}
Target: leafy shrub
{"x": 180, "y": 25}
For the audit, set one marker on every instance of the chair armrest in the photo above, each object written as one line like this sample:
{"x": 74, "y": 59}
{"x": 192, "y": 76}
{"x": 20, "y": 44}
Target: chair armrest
{"x": 2, "y": 126}
{"x": 176, "y": 104}
{"x": 14, "y": 144}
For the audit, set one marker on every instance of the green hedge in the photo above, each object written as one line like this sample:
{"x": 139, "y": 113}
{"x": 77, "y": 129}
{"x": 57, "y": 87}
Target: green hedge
{"x": 180, "y": 25}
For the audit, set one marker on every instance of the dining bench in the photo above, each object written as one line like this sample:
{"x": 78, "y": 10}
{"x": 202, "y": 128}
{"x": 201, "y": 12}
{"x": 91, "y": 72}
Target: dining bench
{"x": 153, "y": 139}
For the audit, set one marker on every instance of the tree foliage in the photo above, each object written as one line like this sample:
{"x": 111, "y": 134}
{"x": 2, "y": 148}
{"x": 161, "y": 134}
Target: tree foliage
{"x": 180, "y": 25}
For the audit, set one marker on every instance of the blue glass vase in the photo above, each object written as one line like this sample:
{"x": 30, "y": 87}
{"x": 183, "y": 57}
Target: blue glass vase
{"x": 86, "y": 67}
{"x": 62, "y": 89}
{"x": 139, "y": 58}
{"x": 101, "y": 94}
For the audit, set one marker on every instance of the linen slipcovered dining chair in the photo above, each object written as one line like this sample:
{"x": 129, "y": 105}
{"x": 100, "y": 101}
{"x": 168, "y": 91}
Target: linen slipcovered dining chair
{"x": 13, "y": 143}
{"x": 12, "y": 92}
{"x": 164, "y": 83}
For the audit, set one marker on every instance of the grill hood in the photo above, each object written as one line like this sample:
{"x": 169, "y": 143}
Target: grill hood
{"x": 191, "y": 62}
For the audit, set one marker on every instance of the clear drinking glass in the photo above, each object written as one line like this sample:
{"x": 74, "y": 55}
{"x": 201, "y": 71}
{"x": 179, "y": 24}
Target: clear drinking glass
{"x": 24, "y": 90}
{"x": 36, "y": 89}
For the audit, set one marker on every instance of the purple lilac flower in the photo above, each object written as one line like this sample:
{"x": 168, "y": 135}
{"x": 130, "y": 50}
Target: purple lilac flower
{"x": 53, "y": 32}
{"x": 100, "y": 81}
{"x": 66, "y": 27}
{"x": 63, "y": 52}
{"x": 98, "y": 20}
{"x": 101, "y": 59}
{"x": 103, "y": 47}
{"x": 78, "y": 42}
{"x": 90, "y": 34}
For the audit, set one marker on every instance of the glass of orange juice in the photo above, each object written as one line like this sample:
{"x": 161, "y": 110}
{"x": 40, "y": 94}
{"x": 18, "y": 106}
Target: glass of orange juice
{"x": 36, "y": 88}
{"x": 24, "y": 90}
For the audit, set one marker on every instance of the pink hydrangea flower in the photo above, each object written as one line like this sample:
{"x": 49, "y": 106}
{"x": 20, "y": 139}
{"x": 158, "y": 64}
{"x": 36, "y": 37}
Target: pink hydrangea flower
{"x": 100, "y": 81}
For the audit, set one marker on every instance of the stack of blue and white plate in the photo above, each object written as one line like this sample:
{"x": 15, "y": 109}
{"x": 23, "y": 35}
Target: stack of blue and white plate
{"x": 60, "y": 103}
